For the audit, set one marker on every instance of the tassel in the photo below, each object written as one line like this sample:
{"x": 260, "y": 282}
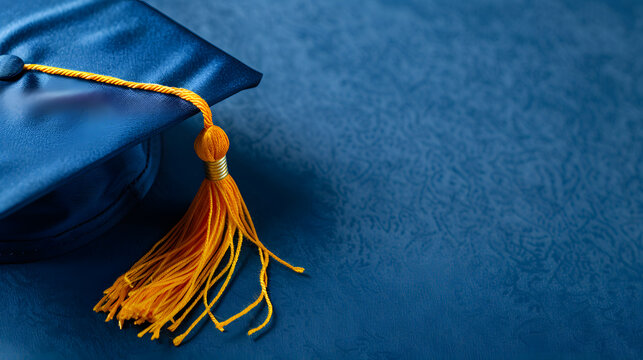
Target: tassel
{"x": 178, "y": 272}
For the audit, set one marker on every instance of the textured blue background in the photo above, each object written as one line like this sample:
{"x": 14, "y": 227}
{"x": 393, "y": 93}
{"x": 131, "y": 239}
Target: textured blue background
{"x": 460, "y": 181}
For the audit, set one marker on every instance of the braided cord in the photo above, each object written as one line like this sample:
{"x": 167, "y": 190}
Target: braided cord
{"x": 184, "y": 94}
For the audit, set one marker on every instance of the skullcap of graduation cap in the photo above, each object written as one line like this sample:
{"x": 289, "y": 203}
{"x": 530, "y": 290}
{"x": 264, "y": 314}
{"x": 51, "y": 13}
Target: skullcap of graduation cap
{"x": 85, "y": 87}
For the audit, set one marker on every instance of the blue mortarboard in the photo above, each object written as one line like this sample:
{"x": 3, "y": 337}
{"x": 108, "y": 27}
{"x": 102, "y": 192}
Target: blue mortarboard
{"x": 77, "y": 149}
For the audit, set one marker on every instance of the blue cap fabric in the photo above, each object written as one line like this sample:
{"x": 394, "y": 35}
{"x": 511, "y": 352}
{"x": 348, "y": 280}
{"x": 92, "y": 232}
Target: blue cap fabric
{"x": 75, "y": 155}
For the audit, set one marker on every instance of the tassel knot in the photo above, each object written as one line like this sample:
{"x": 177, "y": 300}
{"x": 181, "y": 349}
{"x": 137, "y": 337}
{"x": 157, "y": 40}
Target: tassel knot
{"x": 211, "y": 144}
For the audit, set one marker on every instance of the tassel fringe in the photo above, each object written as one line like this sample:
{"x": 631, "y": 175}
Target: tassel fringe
{"x": 179, "y": 271}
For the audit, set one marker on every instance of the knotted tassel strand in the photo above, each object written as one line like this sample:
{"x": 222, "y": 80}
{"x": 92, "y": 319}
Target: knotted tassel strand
{"x": 180, "y": 269}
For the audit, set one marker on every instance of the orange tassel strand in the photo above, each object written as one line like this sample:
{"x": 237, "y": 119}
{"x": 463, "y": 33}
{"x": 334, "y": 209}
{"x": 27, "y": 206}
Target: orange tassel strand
{"x": 163, "y": 287}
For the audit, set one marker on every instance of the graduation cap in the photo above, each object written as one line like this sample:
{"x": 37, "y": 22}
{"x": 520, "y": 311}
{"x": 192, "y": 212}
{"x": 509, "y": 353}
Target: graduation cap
{"x": 85, "y": 87}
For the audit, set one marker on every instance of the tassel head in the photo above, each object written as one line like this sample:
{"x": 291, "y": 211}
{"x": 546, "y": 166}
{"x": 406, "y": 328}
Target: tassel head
{"x": 211, "y": 144}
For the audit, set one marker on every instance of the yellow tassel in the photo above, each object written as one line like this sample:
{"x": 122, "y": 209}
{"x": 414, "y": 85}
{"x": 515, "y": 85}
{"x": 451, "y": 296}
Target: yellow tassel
{"x": 179, "y": 271}
{"x": 166, "y": 284}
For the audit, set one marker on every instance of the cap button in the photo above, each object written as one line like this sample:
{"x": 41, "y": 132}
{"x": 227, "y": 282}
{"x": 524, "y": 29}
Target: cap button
{"x": 10, "y": 66}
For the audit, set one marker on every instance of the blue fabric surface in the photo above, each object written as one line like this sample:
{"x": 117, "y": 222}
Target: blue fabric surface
{"x": 460, "y": 180}
{"x": 66, "y": 159}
